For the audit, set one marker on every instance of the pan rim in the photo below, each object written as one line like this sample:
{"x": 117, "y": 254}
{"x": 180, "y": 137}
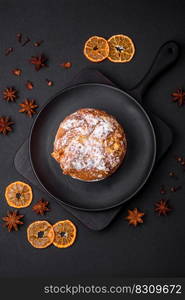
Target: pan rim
{"x": 153, "y": 138}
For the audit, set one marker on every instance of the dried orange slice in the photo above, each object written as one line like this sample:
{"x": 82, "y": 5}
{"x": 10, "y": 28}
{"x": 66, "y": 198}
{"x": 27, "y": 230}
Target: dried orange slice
{"x": 18, "y": 194}
{"x": 40, "y": 234}
{"x": 121, "y": 48}
{"x": 65, "y": 234}
{"x": 96, "y": 49}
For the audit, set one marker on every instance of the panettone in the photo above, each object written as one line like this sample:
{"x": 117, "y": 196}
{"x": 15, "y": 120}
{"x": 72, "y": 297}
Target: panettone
{"x": 89, "y": 145}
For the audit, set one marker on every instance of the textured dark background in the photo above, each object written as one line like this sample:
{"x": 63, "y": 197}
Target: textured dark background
{"x": 156, "y": 248}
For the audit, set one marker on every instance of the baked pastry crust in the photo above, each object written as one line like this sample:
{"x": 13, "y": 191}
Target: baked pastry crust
{"x": 89, "y": 145}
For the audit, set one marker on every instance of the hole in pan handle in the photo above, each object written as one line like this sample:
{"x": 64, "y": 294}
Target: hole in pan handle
{"x": 165, "y": 58}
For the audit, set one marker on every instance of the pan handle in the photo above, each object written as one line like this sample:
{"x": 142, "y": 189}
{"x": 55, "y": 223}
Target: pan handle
{"x": 166, "y": 56}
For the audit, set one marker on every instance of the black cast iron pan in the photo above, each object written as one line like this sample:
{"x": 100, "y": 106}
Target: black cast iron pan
{"x": 140, "y": 157}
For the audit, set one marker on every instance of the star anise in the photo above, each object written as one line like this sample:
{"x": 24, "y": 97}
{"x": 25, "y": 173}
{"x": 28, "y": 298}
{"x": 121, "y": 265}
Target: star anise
{"x": 162, "y": 207}
{"x": 10, "y": 94}
{"x": 28, "y": 107}
{"x": 41, "y": 207}
{"x": 5, "y": 125}
{"x": 12, "y": 220}
{"x": 179, "y": 97}
{"x": 134, "y": 217}
{"x": 39, "y": 61}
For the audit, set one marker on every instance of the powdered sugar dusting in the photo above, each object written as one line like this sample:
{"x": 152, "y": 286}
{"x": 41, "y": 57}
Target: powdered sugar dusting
{"x": 87, "y": 155}
{"x": 84, "y": 142}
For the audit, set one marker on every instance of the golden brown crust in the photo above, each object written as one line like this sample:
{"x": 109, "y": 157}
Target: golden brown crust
{"x": 89, "y": 145}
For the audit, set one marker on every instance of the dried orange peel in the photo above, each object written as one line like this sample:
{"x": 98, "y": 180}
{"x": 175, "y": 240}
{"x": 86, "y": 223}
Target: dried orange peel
{"x": 121, "y": 48}
{"x": 18, "y": 194}
{"x": 40, "y": 234}
{"x": 65, "y": 234}
{"x": 96, "y": 49}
